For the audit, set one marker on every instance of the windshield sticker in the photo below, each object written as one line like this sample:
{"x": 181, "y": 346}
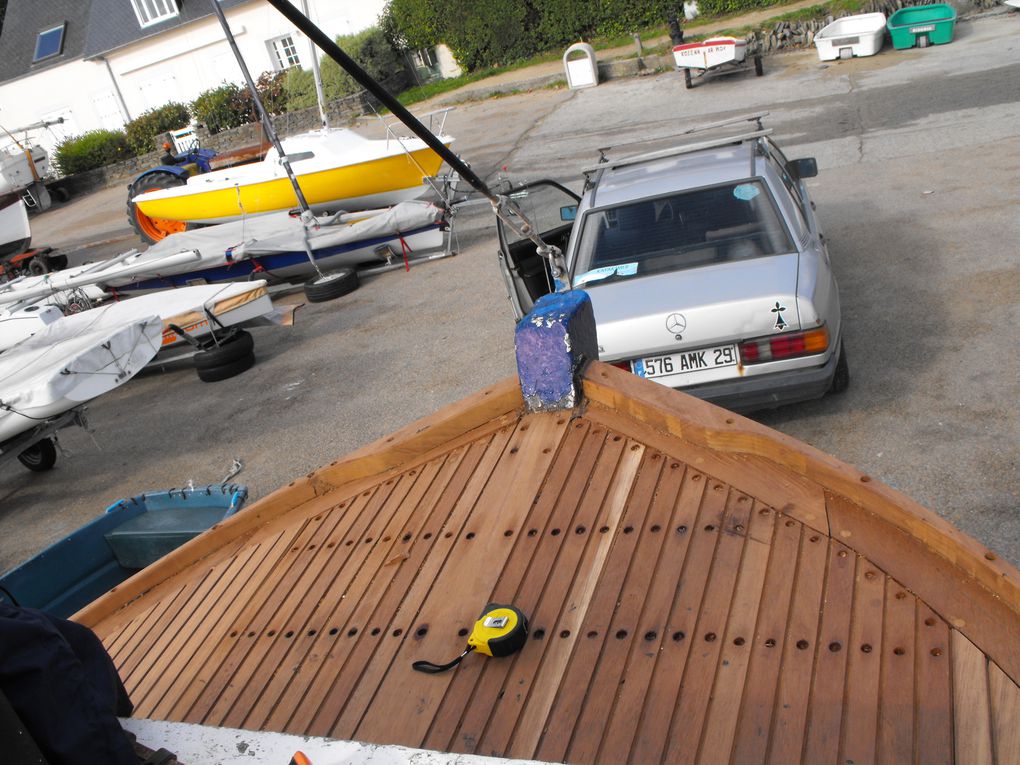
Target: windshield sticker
{"x": 746, "y": 191}
{"x": 624, "y": 269}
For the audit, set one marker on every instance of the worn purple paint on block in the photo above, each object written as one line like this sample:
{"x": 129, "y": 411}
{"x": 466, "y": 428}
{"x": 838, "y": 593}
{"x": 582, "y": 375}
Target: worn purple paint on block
{"x": 552, "y": 343}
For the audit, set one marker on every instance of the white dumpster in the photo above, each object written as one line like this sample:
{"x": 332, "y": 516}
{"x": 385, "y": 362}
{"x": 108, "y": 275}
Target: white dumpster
{"x": 581, "y": 67}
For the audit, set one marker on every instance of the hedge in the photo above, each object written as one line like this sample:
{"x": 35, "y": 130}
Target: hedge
{"x": 144, "y": 130}
{"x": 97, "y": 148}
{"x": 484, "y": 33}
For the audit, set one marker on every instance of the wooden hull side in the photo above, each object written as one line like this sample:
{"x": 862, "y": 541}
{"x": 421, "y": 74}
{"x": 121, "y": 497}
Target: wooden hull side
{"x": 687, "y": 600}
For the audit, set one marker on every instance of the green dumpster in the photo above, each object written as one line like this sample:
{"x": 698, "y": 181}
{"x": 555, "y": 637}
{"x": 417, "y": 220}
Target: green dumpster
{"x": 922, "y": 25}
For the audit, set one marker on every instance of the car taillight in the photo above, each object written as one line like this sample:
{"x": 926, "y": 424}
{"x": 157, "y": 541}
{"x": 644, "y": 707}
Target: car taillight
{"x": 785, "y": 346}
{"x": 624, "y": 365}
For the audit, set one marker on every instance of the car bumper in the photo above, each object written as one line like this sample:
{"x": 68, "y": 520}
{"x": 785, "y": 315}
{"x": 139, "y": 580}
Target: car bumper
{"x": 769, "y": 391}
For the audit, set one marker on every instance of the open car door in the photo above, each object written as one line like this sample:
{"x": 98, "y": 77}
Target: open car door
{"x": 551, "y": 208}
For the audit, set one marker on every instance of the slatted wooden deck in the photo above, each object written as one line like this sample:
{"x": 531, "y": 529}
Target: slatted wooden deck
{"x": 692, "y": 599}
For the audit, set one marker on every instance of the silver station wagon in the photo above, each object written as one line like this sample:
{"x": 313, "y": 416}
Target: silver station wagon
{"x": 705, "y": 264}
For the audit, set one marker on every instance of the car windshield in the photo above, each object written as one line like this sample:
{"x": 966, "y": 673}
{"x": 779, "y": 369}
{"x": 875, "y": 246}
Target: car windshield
{"x": 718, "y": 224}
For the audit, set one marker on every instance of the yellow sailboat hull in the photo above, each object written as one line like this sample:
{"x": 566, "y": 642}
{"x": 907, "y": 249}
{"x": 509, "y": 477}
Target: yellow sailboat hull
{"x": 382, "y": 181}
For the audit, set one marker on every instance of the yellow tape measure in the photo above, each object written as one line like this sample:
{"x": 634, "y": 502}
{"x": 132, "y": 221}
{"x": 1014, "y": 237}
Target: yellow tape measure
{"x": 500, "y": 631}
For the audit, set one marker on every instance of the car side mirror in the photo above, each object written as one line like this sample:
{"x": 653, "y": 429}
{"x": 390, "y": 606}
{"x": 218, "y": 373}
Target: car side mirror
{"x": 568, "y": 213}
{"x": 803, "y": 168}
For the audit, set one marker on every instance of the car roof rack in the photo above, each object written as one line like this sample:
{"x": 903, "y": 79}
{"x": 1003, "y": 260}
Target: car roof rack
{"x": 605, "y": 163}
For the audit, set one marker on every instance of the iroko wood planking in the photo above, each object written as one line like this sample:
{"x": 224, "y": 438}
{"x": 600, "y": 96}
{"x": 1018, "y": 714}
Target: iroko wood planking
{"x": 675, "y": 617}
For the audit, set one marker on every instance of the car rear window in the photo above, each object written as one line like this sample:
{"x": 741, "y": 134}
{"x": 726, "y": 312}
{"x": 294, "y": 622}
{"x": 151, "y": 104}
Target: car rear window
{"x": 719, "y": 224}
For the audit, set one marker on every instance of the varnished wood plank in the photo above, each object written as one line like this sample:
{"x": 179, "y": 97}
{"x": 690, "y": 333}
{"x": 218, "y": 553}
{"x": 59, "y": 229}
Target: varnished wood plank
{"x": 342, "y": 583}
{"x": 575, "y": 608}
{"x": 934, "y": 689}
{"x": 465, "y": 582}
{"x": 896, "y": 687}
{"x": 652, "y": 720}
{"x": 618, "y": 733}
{"x": 860, "y": 710}
{"x": 825, "y": 708}
{"x": 345, "y": 698}
{"x": 790, "y": 493}
{"x": 972, "y": 724}
{"x": 752, "y": 735}
{"x": 949, "y": 589}
{"x": 720, "y": 431}
{"x": 340, "y": 615}
{"x": 579, "y": 503}
{"x": 1004, "y": 697}
{"x": 264, "y": 613}
{"x": 724, "y": 705}
{"x": 142, "y": 624}
{"x": 639, "y": 612}
{"x": 193, "y": 633}
{"x": 608, "y": 610}
{"x": 702, "y": 665}
{"x": 463, "y": 714}
{"x": 800, "y": 649}
{"x": 438, "y": 430}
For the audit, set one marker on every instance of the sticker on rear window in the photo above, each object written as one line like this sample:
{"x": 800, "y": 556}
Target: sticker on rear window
{"x": 624, "y": 269}
{"x": 746, "y": 191}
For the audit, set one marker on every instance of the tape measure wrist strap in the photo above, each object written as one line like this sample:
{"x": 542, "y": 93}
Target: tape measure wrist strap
{"x": 434, "y": 669}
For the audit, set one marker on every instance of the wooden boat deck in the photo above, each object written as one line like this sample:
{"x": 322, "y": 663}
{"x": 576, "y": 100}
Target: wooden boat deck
{"x": 709, "y": 593}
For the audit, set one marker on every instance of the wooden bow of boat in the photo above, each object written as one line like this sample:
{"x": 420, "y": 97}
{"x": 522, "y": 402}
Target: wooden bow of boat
{"x": 700, "y": 588}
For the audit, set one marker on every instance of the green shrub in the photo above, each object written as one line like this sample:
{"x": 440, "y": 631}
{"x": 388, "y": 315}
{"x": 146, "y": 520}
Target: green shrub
{"x": 97, "y": 148}
{"x": 374, "y": 53}
{"x": 223, "y": 107}
{"x": 144, "y": 130}
{"x": 299, "y": 89}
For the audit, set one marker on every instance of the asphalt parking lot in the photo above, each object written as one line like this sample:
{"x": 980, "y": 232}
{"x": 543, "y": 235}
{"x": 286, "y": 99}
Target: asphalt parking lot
{"x": 919, "y": 152}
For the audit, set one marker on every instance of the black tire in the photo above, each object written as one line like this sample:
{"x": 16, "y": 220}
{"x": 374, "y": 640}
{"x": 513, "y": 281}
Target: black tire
{"x": 56, "y": 262}
{"x": 688, "y": 82}
{"x": 758, "y": 69}
{"x": 38, "y": 267}
{"x": 152, "y": 230}
{"x": 40, "y": 456}
{"x": 841, "y": 380}
{"x": 234, "y": 345}
{"x": 332, "y": 285}
{"x": 226, "y": 371}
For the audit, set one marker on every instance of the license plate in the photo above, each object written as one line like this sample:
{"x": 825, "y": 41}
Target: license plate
{"x": 688, "y": 361}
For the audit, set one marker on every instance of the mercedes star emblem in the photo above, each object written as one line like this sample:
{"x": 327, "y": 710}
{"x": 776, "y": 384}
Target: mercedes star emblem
{"x": 676, "y": 324}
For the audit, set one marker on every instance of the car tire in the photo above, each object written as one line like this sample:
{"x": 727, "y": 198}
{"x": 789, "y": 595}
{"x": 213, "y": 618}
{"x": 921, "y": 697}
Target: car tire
{"x": 40, "y": 456}
{"x": 841, "y": 379}
{"x": 38, "y": 267}
{"x": 226, "y": 371}
{"x": 331, "y": 285}
{"x": 235, "y": 345}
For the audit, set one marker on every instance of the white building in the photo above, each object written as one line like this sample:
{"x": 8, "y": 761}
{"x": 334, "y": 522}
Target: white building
{"x": 101, "y": 63}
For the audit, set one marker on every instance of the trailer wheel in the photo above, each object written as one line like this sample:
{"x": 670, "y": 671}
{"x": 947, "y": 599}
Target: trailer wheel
{"x": 38, "y": 267}
{"x": 151, "y": 230}
{"x": 233, "y": 346}
{"x": 226, "y": 371}
{"x": 688, "y": 83}
{"x": 332, "y": 285}
{"x": 40, "y": 456}
{"x": 758, "y": 69}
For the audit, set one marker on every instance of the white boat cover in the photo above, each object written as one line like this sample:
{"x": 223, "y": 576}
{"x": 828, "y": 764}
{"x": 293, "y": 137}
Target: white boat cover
{"x": 279, "y": 232}
{"x": 69, "y": 362}
{"x": 183, "y": 306}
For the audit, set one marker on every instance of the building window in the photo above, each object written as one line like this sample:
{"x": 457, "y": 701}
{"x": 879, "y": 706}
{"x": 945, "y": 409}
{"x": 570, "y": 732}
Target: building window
{"x": 284, "y": 53}
{"x": 424, "y": 58}
{"x": 49, "y": 43}
{"x": 151, "y": 12}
